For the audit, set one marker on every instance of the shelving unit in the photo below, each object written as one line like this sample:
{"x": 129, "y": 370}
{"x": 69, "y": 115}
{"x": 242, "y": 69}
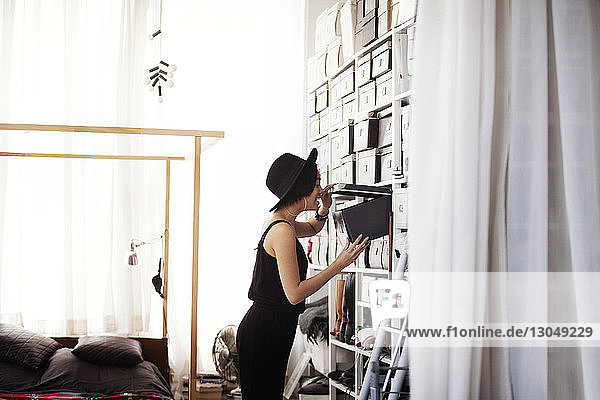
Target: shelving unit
{"x": 343, "y": 354}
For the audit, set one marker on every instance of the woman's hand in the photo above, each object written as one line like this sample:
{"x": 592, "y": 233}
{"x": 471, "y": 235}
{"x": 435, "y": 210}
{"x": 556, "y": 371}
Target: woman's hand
{"x": 350, "y": 252}
{"x": 326, "y": 198}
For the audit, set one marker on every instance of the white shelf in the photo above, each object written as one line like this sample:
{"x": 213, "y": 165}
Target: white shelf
{"x": 383, "y": 183}
{"x": 367, "y": 353}
{"x": 364, "y": 304}
{"x": 371, "y": 271}
{"x": 357, "y": 350}
{"x": 404, "y": 95}
{"x": 342, "y": 387}
{"x": 404, "y": 26}
{"x": 342, "y": 345}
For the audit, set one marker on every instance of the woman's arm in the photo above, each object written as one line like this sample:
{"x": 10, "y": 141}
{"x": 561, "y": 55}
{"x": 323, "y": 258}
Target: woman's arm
{"x": 310, "y": 227}
{"x": 313, "y": 225}
{"x": 283, "y": 242}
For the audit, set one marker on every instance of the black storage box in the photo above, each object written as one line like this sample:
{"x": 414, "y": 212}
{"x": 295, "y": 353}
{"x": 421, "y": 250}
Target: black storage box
{"x": 369, "y": 219}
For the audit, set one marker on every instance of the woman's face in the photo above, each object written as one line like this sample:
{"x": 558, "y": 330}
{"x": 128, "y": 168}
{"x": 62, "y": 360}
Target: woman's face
{"x": 312, "y": 200}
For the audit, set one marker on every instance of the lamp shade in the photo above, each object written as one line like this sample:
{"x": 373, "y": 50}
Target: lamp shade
{"x": 132, "y": 259}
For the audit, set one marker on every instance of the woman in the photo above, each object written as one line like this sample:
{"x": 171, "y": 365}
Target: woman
{"x": 279, "y": 285}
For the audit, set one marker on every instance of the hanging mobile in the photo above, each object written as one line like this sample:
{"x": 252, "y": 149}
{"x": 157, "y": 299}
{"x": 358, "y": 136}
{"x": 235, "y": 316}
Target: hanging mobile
{"x": 157, "y": 73}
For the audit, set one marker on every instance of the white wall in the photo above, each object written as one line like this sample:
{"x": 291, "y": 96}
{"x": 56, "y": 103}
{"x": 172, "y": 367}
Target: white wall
{"x": 239, "y": 69}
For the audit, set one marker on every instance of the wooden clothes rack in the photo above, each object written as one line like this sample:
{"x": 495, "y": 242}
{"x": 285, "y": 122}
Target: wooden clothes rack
{"x": 198, "y": 135}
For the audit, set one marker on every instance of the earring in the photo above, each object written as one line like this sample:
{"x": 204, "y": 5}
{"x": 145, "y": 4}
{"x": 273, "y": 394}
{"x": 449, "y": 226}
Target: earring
{"x": 304, "y": 209}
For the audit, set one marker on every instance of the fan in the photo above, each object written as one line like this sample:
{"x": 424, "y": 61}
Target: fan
{"x": 225, "y": 355}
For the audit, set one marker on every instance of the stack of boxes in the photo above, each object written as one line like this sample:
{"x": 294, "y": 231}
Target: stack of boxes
{"x": 341, "y": 116}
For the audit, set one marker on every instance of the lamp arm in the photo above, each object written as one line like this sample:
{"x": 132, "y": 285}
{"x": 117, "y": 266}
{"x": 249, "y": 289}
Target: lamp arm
{"x": 138, "y": 242}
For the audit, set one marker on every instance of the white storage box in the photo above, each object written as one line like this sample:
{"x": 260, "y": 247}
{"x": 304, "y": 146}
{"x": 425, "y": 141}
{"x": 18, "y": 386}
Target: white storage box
{"x": 375, "y": 249}
{"x": 385, "y": 252}
{"x": 365, "y": 134}
{"x": 366, "y": 97}
{"x": 324, "y": 121}
{"x": 348, "y": 19}
{"x": 382, "y": 59}
{"x": 405, "y": 118}
{"x": 385, "y": 127}
{"x": 387, "y": 164}
{"x": 348, "y": 108}
{"x": 335, "y": 115}
{"x": 341, "y": 144}
{"x": 334, "y": 90}
{"x": 400, "y": 204}
{"x": 311, "y": 103}
{"x": 313, "y": 127}
{"x": 363, "y": 71}
{"x": 404, "y": 78}
{"x": 332, "y": 24}
{"x": 384, "y": 18}
{"x": 322, "y": 98}
{"x": 334, "y": 57}
{"x": 383, "y": 89}
{"x": 367, "y": 167}
{"x": 403, "y": 11}
{"x": 411, "y": 50}
{"x": 327, "y": 27}
{"x": 345, "y": 172}
{"x": 346, "y": 82}
{"x": 317, "y": 69}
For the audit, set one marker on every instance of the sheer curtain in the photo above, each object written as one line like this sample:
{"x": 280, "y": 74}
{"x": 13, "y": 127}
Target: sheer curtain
{"x": 504, "y": 178}
{"x": 65, "y": 225}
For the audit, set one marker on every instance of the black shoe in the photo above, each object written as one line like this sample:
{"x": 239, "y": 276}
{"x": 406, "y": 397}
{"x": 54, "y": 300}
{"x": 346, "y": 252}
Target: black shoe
{"x": 335, "y": 375}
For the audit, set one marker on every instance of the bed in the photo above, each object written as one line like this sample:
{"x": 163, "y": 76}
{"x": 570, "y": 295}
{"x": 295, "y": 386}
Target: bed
{"x": 35, "y": 384}
{"x": 93, "y": 367}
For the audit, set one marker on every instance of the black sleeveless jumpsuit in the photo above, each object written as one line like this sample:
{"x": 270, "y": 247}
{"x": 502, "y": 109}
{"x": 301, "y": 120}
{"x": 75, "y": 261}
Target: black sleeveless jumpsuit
{"x": 266, "y": 334}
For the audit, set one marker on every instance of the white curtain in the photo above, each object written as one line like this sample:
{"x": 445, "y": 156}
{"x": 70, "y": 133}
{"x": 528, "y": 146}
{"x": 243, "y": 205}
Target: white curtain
{"x": 65, "y": 226}
{"x": 504, "y": 178}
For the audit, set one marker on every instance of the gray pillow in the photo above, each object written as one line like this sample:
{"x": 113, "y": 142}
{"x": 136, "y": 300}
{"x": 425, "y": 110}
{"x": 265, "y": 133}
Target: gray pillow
{"x": 25, "y": 348}
{"x": 109, "y": 350}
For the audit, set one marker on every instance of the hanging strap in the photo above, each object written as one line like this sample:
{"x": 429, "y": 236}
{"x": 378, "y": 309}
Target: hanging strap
{"x": 270, "y": 226}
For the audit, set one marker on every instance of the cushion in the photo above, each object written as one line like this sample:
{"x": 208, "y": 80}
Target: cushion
{"x": 109, "y": 350}
{"x": 25, "y": 348}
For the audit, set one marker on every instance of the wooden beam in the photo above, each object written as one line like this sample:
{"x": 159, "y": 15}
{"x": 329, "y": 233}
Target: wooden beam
{"x": 166, "y": 244}
{"x": 93, "y": 156}
{"x": 194, "y": 319}
{"x": 110, "y": 129}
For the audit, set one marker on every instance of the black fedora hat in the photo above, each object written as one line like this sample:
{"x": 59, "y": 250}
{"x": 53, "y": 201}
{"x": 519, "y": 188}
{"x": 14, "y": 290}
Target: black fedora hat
{"x": 284, "y": 172}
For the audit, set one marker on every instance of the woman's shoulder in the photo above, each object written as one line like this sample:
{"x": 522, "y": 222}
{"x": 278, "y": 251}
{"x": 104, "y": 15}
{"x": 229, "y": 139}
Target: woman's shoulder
{"x": 280, "y": 229}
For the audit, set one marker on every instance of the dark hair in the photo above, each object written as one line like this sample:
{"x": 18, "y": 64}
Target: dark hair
{"x": 303, "y": 186}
